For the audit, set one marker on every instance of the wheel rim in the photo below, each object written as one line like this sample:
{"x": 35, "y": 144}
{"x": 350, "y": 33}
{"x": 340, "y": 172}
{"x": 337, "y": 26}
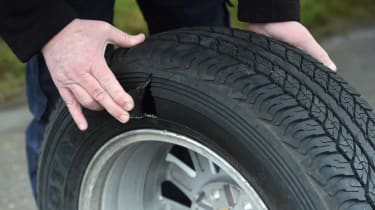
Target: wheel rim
{"x": 150, "y": 169}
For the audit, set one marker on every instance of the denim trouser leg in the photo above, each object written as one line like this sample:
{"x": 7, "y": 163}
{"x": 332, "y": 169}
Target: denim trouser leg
{"x": 42, "y": 93}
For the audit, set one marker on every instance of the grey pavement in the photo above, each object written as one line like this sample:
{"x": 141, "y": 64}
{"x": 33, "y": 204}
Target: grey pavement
{"x": 15, "y": 192}
{"x": 354, "y": 54}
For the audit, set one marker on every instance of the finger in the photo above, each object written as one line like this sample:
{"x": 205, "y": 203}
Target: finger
{"x": 314, "y": 49}
{"x": 84, "y": 98}
{"x": 96, "y": 91}
{"x": 296, "y": 34}
{"x": 74, "y": 108}
{"x": 109, "y": 82}
{"x": 122, "y": 39}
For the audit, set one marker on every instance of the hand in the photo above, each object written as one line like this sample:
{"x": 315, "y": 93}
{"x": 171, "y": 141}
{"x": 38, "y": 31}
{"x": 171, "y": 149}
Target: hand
{"x": 296, "y": 34}
{"x": 75, "y": 59}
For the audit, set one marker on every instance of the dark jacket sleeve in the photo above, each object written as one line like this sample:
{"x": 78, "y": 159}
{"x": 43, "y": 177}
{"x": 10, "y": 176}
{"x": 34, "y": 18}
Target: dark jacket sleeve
{"x": 264, "y": 11}
{"x": 27, "y": 25}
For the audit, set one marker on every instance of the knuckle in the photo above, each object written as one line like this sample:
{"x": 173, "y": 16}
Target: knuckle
{"x": 105, "y": 26}
{"x": 97, "y": 107}
{"x": 94, "y": 107}
{"x": 83, "y": 75}
{"x": 90, "y": 104}
{"x": 106, "y": 84}
{"x": 127, "y": 37}
{"x": 116, "y": 92}
{"x": 120, "y": 97}
{"x": 99, "y": 94}
{"x": 69, "y": 103}
{"x": 113, "y": 88}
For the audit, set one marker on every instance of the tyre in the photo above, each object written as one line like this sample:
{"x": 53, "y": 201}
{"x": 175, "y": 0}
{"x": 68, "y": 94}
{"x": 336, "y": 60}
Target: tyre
{"x": 224, "y": 119}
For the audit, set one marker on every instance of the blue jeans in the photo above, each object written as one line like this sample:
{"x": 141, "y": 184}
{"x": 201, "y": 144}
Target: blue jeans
{"x": 161, "y": 15}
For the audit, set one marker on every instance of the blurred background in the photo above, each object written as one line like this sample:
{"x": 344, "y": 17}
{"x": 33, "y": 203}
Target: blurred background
{"x": 346, "y": 28}
{"x": 322, "y": 17}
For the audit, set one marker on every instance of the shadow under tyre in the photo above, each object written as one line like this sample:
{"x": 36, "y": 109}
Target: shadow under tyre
{"x": 227, "y": 119}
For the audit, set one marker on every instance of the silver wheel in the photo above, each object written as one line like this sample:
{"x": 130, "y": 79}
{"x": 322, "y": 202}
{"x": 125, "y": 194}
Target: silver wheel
{"x": 151, "y": 169}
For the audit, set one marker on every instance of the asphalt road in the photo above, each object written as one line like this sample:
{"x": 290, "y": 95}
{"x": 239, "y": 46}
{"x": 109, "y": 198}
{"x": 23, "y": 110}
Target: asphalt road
{"x": 15, "y": 192}
{"x": 354, "y": 54}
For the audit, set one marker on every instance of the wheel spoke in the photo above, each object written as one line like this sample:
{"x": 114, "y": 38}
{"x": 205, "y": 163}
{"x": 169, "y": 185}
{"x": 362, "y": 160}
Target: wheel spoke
{"x": 177, "y": 162}
{"x": 202, "y": 164}
{"x": 231, "y": 194}
{"x": 202, "y": 203}
{"x": 181, "y": 179}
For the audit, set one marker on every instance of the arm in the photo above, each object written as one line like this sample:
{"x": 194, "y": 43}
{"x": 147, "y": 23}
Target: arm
{"x": 279, "y": 19}
{"x": 26, "y": 25}
{"x": 74, "y": 53}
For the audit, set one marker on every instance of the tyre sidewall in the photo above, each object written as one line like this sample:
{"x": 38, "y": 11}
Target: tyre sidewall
{"x": 68, "y": 152}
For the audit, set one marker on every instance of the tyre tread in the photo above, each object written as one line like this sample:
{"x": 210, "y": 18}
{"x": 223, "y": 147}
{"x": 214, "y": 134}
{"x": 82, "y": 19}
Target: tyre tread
{"x": 346, "y": 120}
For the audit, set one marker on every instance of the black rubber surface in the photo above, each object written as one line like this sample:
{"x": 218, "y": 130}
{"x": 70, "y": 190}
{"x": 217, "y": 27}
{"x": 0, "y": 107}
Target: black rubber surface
{"x": 297, "y": 131}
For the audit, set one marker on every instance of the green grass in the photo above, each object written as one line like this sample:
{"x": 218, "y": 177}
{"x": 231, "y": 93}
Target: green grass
{"x": 325, "y": 17}
{"x": 321, "y": 16}
{"x": 129, "y": 18}
{"x": 12, "y": 77}
{"x": 321, "y": 12}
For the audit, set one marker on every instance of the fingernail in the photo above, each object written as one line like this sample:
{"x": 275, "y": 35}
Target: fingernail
{"x": 124, "y": 118}
{"x": 140, "y": 36}
{"x": 128, "y": 106}
{"x": 82, "y": 126}
{"x": 332, "y": 66}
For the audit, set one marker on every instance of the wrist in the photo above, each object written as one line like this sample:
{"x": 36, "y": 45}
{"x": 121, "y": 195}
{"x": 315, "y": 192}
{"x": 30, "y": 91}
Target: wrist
{"x": 59, "y": 36}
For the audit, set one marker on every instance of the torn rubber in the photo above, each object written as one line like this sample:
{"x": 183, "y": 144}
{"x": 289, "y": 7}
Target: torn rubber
{"x": 143, "y": 100}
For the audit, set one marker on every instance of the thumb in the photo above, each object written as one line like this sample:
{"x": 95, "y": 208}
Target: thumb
{"x": 122, "y": 39}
